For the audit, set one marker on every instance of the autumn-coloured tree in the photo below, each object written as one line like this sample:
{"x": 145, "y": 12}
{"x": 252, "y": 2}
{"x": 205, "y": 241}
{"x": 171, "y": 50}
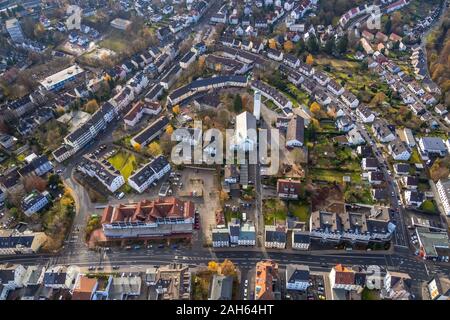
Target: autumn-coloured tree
{"x": 169, "y": 129}
{"x": 378, "y": 98}
{"x": 309, "y": 59}
{"x": 227, "y": 268}
{"x": 440, "y": 169}
{"x": 213, "y": 266}
{"x": 315, "y": 107}
{"x": 137, "y": 147}
{"x": 288, "y": 46}
{"x": 315, "y": 123}
{"x": 154, "y": 149}
{"x": 272, "y": 43}
{"x": 91, "y": 106}
{"x": 32, "y": 182}
{"x": 223, "y": 196}
{"x": 176, "y": 109}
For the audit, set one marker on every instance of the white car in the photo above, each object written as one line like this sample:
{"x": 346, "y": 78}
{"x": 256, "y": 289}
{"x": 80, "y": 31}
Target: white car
{"x": 245, "y": 293}
{"x": 246, "y": 283}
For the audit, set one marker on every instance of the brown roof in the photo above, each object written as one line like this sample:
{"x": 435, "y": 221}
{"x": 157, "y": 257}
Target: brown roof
{"x": 283, "y": 184}
{"x": 266, "y": 273}
{"x": 344, "y": 275}
{"x": 83, "y": 288}
{"x": 138, "y": 106}
{"x": 149, "y": 211}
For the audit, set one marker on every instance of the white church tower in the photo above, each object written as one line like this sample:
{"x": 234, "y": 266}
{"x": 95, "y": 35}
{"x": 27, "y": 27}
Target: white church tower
{"x": 257, "y": 105}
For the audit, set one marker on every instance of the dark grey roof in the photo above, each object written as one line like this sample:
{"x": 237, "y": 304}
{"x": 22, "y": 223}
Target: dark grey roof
{"x": 301, "y": 237}
{"x": 151, "y": 130}
{"x": 220, "y": 236}
{"x": 275, "y": 236}
{"x": 16, "y": 240}
{"x": 297, "y": 273}
{"x": 154, "y": 166}
{"x": 221, "y": 288}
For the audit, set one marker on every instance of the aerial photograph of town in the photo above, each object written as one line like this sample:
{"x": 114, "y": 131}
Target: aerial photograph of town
{"x": 236, "y": 150}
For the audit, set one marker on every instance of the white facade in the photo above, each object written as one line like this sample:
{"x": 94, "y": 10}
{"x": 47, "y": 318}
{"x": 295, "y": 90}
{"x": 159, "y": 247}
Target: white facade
{"x": 443, "y": 189}
{"x": 257, "y": 105}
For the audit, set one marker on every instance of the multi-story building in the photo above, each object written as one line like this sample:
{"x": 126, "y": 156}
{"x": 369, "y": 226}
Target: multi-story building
{"x": 347, "y": 279}
{"x": 267, "y": 281}
{"x": 295, "y": 135}
{"x": 288, "y": 189}
{"x": 297, "y": 277}
{"x": 161, "y": 218}
{"x": 149, "y": 173}
{"x": 15, "y": 242}
{"x": 357, "y": 224}
{"x": 15, "y": 30}
{"x": 103, "y": 171}
{"x": 34, "y": 202}
{"x": 150, "y": 133}
{"x": 275, "y": 236}
{"x": 58, "y": 80}
{"x": 220, "y": 237}
{"x": 443, "y": 189}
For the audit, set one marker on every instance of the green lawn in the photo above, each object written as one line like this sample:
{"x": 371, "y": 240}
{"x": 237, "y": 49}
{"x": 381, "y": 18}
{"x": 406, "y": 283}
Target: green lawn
{"x": 415, "y": 158}
{"x": 370, "y": 294}
{"x": 429, "y": 206}
{"x": 274, "y": 209}
{"x": 300, "y": 210}
{"x": 124, "y": 162}
{"x": 330, "y": 175}
{"x": 114, "y": 43}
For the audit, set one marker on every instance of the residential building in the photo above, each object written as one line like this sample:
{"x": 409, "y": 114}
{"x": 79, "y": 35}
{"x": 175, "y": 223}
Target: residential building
{"x": 103, "y": 171}
{"x": 170, "y": 282}
{"x": 150, "y": 133}
{"x": 300, "y": 239}
{"x": 247, "y": 235}
{"x": 382, "y": 131}
{"x": 414, "y": 198}
{"x": 15, "y": 30}
{"x": 399, "y": 151}
{"x": 297, "y": 277}
{"x": 288, "y": 189}
{"x": 149, "y": 173}
{"x": 220, "y": 237}
{"x": 350, "y": 99}
{"x": 275, "y": 236}
{"x": 138, "y": 110}
{"x": 397, "y": 286}
{"x": 267, "y": 281}
{"x": 34, "y": 202}
{"x": 443, "y": 189}
{"x": 433, "y": 146}
{"x": 439, "y": 288}
{"x": 295, "y": 135}
{"x": 347, "y": 279}
{"x": 61, "y": 277}
{"x": 14, "y": 242}
{"x": 84, "y": 288}
{"x": 221, "y": 288}
{"x": 58, "y": 80}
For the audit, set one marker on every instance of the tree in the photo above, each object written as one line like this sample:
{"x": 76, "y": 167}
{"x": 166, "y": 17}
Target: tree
{"x": 213, "y": 266}
{"x": 312, "y": 45}
{"x": 378, "y": 98}
{"x": 300, "y": 46}
{"x": 440, "y": 169}
{"x": 288, "y": 46}
{"x": 169, "y": 129}
{"x": 154, "y": 149}
{"x": 237, "y": 103}
{"x": 91, "y": 106}
{"x": 388, "y": 26}
{"x": 272, "y": 43}
{"x": 176, "y": 109}
{"x": 329, "y": 46}
{"x": 32, "y": 182}
{"x": 227, "y": 268}
{"x": 315, "y": 107}
{"x": 341, "y": 46}
{"x": 309, "y": 59}
{"x": 223, "y": 196}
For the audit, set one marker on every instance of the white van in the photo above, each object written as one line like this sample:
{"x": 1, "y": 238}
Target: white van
{"x": 244, "y": 216}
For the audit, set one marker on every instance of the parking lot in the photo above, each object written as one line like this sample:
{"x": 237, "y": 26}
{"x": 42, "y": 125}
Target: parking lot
{"x": 200, "y": 186}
